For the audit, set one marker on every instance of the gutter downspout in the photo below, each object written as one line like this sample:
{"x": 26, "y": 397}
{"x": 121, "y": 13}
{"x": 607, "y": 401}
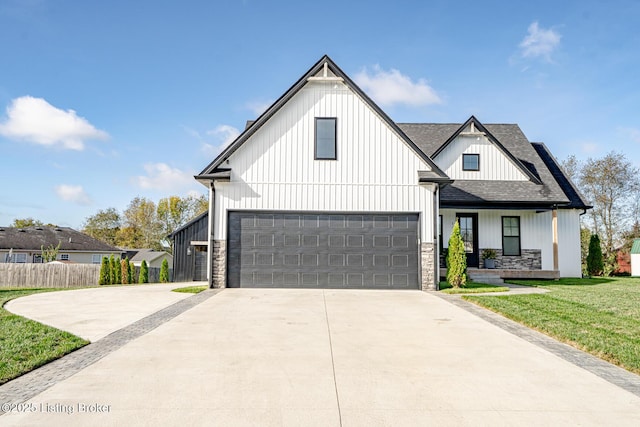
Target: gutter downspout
{"x": 212, "y": 195}
{"x": 436, "y": 245}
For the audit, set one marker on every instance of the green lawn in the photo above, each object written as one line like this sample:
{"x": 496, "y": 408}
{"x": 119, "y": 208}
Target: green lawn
{"x": 191, "y": 289}
{"x": 471, "y": 288}
{"x": 25, "y": 344}
{"x": 600, "y": 315}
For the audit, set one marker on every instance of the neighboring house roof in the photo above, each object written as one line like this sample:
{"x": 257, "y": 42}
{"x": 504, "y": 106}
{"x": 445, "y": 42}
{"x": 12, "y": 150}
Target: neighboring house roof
{"x": 541, "y": 189}
{"x": 148, "y": 255}
{"x": 635, "y": 248}
{"x": 34, "y": 238}
{"x": 209, "y": 172}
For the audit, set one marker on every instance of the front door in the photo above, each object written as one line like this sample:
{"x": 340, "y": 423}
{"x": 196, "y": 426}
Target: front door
{"x": 469, "y": 232}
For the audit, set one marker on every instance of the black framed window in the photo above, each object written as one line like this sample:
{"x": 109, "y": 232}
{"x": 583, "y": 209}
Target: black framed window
{"x": 471, "y": 162}
{"x": 511, "y": 235}
{"x": 326, "y": 136}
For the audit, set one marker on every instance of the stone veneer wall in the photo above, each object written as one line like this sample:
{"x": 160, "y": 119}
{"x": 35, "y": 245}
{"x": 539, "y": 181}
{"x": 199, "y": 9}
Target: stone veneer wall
{"x": 219, "y": 260}
{"x": 427, "y": 253}
{"x": 529, "y": 259}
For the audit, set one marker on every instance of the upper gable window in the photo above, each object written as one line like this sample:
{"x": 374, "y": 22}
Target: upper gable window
{"x": 471, "y": 162}
{"x": 326, "y": 138}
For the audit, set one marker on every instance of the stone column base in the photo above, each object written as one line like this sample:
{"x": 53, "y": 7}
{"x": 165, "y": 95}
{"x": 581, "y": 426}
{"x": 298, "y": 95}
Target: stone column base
{"x": 427, "y": 252}
{"x": 219, "y": 264}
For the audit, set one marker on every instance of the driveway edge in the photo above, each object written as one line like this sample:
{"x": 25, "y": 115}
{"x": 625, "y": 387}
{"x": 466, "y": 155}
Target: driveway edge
{"x": 605, "y": 370}
{"x": 35, "y": 382}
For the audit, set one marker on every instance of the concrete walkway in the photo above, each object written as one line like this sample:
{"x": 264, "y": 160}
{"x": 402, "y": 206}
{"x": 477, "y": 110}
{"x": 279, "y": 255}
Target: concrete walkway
{"x": 94, "y": 313}
{"x": 329, "y": 358}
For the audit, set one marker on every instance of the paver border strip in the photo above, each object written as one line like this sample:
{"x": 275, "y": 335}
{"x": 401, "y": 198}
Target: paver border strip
{"x": 605, "y": 370}
{"x": 25, "y": 387}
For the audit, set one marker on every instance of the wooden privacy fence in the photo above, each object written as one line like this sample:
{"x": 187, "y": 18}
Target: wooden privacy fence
{"x": 49, "y": 275}
{"x": 59, "y": 275}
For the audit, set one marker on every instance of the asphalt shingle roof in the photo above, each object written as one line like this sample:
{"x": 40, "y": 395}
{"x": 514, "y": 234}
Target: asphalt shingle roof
{"x": 429, "y": 137}
{"x": 34, "y": 238}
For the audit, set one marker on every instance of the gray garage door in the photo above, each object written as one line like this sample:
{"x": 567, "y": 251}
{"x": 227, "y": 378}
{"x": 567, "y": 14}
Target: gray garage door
{"x": 299, "y": 250}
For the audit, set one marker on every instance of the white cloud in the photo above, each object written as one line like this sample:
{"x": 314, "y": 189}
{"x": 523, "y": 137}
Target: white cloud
{"x": 225, "y": 134}
{"x": 73, "y": 193}
{"x": 589, "y": 147}
{"x": 392, "y": 87}
{"x": 160, "y": 176}
{"x": 35, "y": 120}
{"x": 539, "y": 42}
{"x": 630, "y": 133}
{"x": 258, "y": 107}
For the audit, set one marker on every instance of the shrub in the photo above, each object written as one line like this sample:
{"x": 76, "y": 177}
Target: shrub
{"x": 112, "y": 269}
{"x": 595, "y": 263}
{"x": 118, "y": 272}
{"x": 105, "y": 272}
{"x": 130, "y": 271}
{"x": 456, "y": 259}
{"x": 164, "y": 271}
{"x": 144, "y": 273}
{"x": 124, "y": 271}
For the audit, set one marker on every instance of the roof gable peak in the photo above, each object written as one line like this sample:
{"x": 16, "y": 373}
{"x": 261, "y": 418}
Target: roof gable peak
{"x": 473, "y": 127}
{"x": 323, "y": 70}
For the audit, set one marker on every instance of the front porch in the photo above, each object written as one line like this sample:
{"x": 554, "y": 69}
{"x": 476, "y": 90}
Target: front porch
{"x": 498, "y": 275}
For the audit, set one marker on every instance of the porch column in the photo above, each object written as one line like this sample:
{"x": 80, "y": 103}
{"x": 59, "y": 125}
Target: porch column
{"x": 554, "y": 223}
{"x": 212, "y": 195}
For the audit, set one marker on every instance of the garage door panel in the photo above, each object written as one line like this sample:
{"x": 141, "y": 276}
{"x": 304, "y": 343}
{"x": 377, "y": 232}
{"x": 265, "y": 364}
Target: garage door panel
{"x": 377, "y": 251}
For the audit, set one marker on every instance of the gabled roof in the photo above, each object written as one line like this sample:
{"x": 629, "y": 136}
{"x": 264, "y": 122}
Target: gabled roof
{"x": 34, "y": 238}
{"x": 325, "y": 61}
{"x": 544, "y": 191}
{"x": 577, "y": 200}
{"x": 148, "y": 255}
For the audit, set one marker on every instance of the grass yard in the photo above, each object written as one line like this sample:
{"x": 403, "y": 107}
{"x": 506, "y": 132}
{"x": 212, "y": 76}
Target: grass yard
{"x": 191, "y": 289}
{"x": 600, "y": 316}
{"x": 471, "y": 288}
{"x": 26, "y": 344}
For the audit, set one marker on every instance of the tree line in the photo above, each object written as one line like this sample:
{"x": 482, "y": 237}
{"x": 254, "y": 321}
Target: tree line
{"x": 144, "y": 224}
{"x": 610, "y": 184}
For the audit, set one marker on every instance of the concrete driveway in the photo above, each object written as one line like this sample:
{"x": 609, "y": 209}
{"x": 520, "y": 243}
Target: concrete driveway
{"x": 329, "y": 358}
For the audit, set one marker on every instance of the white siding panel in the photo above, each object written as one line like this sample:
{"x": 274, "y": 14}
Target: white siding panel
{"x": 569, "y": 243}
{"x": 536, "y": 231}
{"x": 275, "y": 169}
{"x": 494, "y": 165}
{"x": 322, "y": 198}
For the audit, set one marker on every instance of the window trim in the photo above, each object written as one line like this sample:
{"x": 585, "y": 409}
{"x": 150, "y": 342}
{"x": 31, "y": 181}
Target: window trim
{"x": 64, "y": 257}
{"x": 335, "y": 138}
{"x": 477, "y": 155}
{"x": 519, "y": 236}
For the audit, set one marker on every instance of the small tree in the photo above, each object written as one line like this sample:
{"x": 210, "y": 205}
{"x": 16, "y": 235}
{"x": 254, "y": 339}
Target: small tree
{"x": 118, "y": 272}
{"x": 105, "y": 273}
{"x": 456, "y": 259}
{"x": 144, "y": 273}
{"x": 130, "y": 271}
{"x": 595, "y": 263}
{"x": 112, "y": 269}
{"x": 50, "y": 254}
{"x": 164, "y": 271}
{"x": 124, "y": 271}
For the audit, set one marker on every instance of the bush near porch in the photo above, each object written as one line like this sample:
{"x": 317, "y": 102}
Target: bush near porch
{"x": 599, "y": 315}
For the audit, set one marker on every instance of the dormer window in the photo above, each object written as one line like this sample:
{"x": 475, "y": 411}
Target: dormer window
{"x": 326, "y": 136}
{"x": 471, "y": 162}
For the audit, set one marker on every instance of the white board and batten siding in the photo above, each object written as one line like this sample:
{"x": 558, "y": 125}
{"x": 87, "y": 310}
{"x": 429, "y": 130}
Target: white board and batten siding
{"x": 276, "y": 169}
{"x": 494, "y": 165}
{"x": 536, "y": 232}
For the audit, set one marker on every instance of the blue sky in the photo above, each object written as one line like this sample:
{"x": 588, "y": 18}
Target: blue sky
{"x": 104, "y": 101}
